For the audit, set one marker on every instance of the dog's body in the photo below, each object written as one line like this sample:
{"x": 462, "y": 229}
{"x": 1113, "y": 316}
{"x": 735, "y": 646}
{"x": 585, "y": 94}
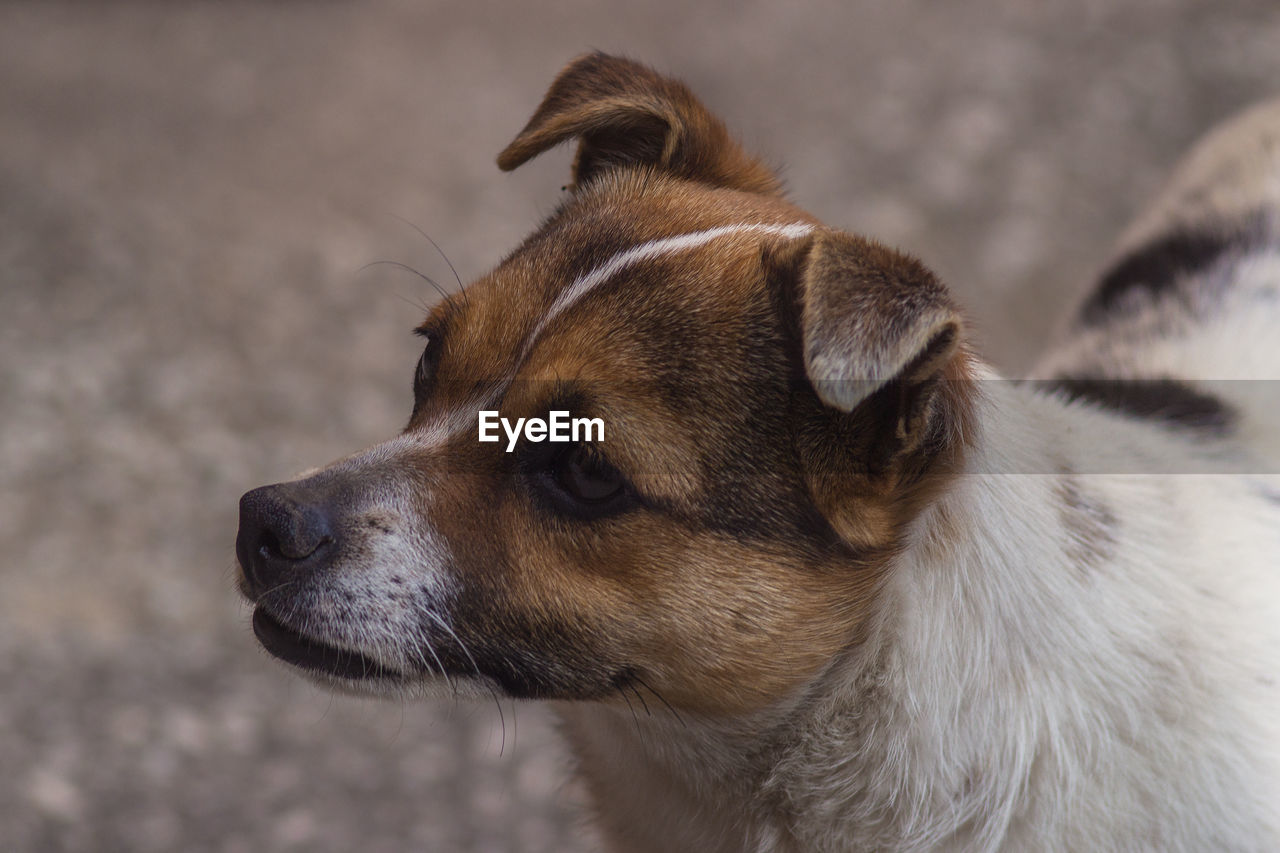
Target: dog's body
{"x": 828, "y": 584}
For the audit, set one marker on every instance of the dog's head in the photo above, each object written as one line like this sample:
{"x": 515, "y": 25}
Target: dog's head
{"x": 779, "y": 400}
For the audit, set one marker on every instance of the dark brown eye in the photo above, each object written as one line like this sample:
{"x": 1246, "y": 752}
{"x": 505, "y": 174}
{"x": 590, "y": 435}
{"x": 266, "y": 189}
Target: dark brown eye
{"x": 586, "y": 476}
{"x": 576, "y": 480}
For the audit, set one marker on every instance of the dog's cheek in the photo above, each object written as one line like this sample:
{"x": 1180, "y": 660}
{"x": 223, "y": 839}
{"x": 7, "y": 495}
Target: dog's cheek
{"x": 752, "y": 633}
{"x": 708, "y": 624}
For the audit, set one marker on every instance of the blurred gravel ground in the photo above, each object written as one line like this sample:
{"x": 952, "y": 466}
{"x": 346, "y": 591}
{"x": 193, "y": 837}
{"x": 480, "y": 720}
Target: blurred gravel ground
{"x": 188, "y": 194}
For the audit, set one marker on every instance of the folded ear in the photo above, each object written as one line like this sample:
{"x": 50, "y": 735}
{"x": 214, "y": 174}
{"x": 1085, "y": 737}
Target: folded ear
{"x": 626, "y": 114}
{"x": 870, "y": 316}
{"x": 880, "y": 343}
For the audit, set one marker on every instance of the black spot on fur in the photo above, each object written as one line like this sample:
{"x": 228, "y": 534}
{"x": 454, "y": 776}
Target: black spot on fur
{"x": 1089, "y": 523}
{"x": 1169, "y": 401}
{"x": 1155, "y": 268}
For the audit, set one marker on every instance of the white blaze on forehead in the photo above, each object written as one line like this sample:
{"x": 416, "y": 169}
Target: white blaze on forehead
{"x": 655, "y": 249}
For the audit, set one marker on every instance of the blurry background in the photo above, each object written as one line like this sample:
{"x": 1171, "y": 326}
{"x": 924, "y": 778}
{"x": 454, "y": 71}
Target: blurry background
{"x": 188, "y": 193}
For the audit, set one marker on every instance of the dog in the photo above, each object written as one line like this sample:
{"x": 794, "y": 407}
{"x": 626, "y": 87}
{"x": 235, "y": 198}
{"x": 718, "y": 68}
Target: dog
{"x": 822, "y": 580}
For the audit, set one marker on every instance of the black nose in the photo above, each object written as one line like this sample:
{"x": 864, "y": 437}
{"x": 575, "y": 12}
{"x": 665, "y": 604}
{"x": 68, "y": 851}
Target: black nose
{"x": 280, "y": 535}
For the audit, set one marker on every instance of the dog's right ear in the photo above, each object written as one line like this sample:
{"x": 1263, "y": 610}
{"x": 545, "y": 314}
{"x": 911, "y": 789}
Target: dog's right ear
{"x": 626, "y": 114}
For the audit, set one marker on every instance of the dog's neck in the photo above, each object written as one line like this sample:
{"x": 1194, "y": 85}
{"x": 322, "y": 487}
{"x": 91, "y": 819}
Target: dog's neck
{"x": 969, "y": 684}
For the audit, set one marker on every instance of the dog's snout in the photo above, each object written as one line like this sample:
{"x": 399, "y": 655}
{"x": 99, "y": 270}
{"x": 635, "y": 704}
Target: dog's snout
{"x": 278, "y": 534}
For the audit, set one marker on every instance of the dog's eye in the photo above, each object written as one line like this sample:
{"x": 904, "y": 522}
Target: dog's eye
{"x": 579, "y": 481}
{"x": 586, "y": 476}
{"x": 426, "y": 369}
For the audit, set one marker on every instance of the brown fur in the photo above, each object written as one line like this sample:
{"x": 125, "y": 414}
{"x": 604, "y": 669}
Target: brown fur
{"x": 627, "y": 114}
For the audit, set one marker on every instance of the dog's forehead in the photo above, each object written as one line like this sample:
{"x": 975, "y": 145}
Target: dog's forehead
{"x": 604, "y": 242}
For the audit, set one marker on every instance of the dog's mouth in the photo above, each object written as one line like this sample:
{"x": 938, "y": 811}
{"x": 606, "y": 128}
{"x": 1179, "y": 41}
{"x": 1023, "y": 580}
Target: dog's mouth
{"x": 302, "y": 651}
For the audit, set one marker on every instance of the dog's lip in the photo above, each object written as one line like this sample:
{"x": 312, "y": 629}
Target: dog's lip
{"x": 314, "y": 655}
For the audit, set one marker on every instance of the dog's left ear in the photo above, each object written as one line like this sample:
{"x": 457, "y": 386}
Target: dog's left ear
{"x": 626, "y": 114}
{"x": 870, "y": 316}
{"x": 880, "y": 344}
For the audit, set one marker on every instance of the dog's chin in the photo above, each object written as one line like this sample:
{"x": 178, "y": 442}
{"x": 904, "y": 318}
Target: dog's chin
{"x": 348, "y": 671}
{"x": 320, "y": 660}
